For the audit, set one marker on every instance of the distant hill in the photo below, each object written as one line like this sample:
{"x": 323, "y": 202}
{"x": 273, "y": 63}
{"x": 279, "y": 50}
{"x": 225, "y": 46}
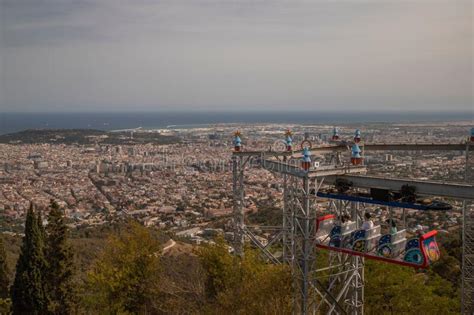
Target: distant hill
{"x": 84, "y": 136}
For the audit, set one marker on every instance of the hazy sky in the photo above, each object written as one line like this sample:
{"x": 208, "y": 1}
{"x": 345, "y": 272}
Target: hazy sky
{"x": 72, "y": 55}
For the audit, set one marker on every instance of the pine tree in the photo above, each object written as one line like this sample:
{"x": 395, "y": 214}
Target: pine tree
{"x": 28, "y": 294}
{"x": 4, "y": 281}
{"x": 59, "y": 277}
{"x": 39, "y": 219}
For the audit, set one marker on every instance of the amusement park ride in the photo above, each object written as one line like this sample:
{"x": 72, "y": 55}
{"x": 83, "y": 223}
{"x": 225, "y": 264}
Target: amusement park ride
{"x": 342, "y": 226}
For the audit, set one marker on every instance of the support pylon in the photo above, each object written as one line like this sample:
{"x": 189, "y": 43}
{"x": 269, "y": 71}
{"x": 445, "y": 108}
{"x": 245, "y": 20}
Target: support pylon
{"x": 238, "y": 211}
{"x": 468, "y": 240}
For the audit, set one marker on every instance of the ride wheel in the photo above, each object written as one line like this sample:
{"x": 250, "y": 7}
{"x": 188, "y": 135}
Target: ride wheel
{"x": 385, "y": 251}
{"x": 335, "y": 241}
{"x": 414, "y": 256}
{"x": 359, "y": 246}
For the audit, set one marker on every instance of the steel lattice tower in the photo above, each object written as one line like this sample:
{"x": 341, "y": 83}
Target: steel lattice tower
{"x": 343, "y": 294}
{"x": 338, "y": 287}
{"x": 238, "y": 212}
{"x": 468, "y": 240}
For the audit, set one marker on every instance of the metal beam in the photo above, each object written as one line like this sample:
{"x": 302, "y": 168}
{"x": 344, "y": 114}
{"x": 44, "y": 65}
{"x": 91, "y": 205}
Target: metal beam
{"x": 260, "y": 153}
{"x": 392, "y": 147}
{"x": 285, "y": 168}
{"x": 367, "y": 147}
{"x": 415, "y": 146}
{"x": 331, "y": 171}
{"x": 431, "y": 188}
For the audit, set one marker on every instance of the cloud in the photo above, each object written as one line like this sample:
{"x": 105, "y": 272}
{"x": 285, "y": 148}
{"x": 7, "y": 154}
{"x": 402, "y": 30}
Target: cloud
{"x": 150, "y": 55}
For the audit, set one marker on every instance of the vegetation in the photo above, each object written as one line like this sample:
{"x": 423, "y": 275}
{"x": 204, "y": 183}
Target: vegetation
{"x": 84, "y": 137}
{"x": 244, "y": 286}
{"x": 393, "y": 289}
{"x": 121, "y": 270}
{"x": 126, "y": 277}
{"x": 44, "y": 272}
{"x": 67, "y": 136}
{"x": 268, "y": 212}
{"x": 59, "y": 273}
{"x": 4, "y": 280}
{"x": 449, "y": 265}
{"x": 28, "y": 292}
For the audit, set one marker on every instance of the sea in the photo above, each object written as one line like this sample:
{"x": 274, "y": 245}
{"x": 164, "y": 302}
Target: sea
{"x": 14, "y": 122}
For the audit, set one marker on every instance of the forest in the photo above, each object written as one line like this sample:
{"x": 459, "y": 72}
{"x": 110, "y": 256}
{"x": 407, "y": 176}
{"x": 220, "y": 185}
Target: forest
{"x": 122, "y": 268}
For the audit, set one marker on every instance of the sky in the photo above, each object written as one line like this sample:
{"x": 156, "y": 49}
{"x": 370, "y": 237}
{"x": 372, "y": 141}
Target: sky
{"x": 152, "y": 55}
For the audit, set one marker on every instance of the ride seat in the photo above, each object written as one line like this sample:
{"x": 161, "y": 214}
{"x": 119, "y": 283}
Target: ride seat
{"x": 375, "y": 231}
{"x": 348, "y": 228}
{"x": 399, "y": 241}
{"x": 324, "y": 227}
{"x": 366, "y": 240}
{"x": 372, "y": 237}
{"x": 346, "y": 233}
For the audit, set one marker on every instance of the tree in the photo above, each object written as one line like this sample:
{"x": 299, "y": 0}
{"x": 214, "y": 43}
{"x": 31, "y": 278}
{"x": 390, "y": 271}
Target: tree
{"x": 182, "y": 282}
{"x": 220, "y": 268}
{"x": 126, "y": 277}
{"x": 59, "y": 274}
{"x": 28, "y": 294}
{"x": 4, "y": 281}
{"x": 41, "y": 229}
{"x": 244, "y": 286}
{"x": 400, "y": 290}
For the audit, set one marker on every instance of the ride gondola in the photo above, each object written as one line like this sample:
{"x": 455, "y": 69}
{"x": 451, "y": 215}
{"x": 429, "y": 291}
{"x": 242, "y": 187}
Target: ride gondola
{"x": 417, "y": 252}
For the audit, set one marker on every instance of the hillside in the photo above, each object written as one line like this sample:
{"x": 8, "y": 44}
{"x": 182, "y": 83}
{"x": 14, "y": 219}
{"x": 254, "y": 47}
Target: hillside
{"x": 85, "y": 137}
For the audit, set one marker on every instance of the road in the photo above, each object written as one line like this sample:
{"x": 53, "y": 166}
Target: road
{"x": 170, "y": 245}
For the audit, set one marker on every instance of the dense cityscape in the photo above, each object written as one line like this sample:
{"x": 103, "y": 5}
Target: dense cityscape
{"x": 185, "y": 187}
